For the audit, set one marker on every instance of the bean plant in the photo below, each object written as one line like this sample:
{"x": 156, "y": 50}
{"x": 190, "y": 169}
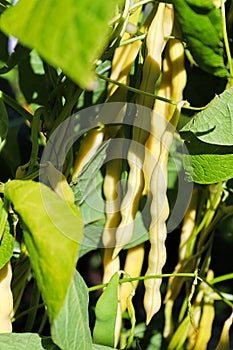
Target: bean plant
{"x": 116, "y": 178}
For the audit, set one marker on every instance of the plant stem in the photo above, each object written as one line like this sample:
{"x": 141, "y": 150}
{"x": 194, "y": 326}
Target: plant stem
{"x": 26, "y": 312}
{"x": 225, "y": 38}
{"x": 131, "y": 40}
{"x": 155, "y": 97}
{"x": 141, "y": 278}
{"x": 191, "y": 275}
{"x": 222, "y": 278}
{"x": 136, "y": 91}
{"x": 12, "y": 103}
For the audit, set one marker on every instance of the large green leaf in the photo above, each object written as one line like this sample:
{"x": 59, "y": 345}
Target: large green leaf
{"x": 201, "y": 25}
{"x": 207, "y": 163}
{"x": 106, "y": 312}
{"x": 70, "y": 34}
{"x": 214, "y": 124}
{"x": 70, "y": 330}
{"x": 25, "y": 341}
{"x": 52, "y": 232}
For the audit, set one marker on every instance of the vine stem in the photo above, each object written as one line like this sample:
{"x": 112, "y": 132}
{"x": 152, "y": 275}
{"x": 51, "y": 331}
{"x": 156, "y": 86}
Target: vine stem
{"x": 147, "y": 94}
{"x": 13, "y": 104}
{"x": 188, "y": 274}
{"x": 141, "y": 278}
{"x": 225, "y": 38}
{"x": 135, "y": 90}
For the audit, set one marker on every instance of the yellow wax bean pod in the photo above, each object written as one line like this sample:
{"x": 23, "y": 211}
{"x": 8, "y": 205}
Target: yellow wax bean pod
{"x": 175, "y": 283}
{"x": 133, "y": 265}
{"x": 163, "y": 126}
{"x": 159, "y": 213}
{"x": 205, "y": 327}
{"x": 92, "y": 140}
{"x": 112, "y": 177}
{"x": 159, "y": 29}
{"x": 123, "y": 59}
{"x": 172, "y": 85}
{"x": 129, "y": 205}
{"x": 6, "y": 299}
{"x": 224, "y": 341}
{"x": 202, "y": 317}
{"x": 157, "y": 234}
{"x": 156, "y": 34}
{"x": 112, "y": 198}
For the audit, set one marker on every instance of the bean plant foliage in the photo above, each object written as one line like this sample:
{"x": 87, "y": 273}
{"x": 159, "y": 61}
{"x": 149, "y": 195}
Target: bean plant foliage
{"x": 116, "y": 178}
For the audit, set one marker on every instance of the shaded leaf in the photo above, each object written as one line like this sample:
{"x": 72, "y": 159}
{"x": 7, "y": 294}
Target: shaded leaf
{"x": 26, "y": 341}
{"x": 70, "y": 36}
{"x": 52, "y": 233}
{"x": 70, "y": 329}
{"x": 214, "y": 124}
{"x": 106, "y": 312}
{"x": 201, "y": 25}
{"x": 83, "y": 184}
{"x": 33, "y": 84}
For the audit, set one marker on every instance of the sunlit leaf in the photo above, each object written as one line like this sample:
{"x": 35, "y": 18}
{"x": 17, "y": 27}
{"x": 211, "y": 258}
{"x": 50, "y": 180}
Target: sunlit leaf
{"x": 214, "y": 124}
{"x": 206, "y": 163}
{"x": 69, "y": 35}
{"x": 52, "y": 233}
{"x": 201, "y": 25}
{"x": 6, "y": 246}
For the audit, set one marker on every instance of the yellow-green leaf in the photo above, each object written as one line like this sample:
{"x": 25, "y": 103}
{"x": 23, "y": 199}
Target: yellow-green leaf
{"x": 52, "y": 233}
{"x": 70, "y": 34}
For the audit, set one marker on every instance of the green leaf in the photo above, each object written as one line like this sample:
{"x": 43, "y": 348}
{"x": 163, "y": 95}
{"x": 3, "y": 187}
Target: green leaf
{"x": 6, "y": 246}
{"x": 106, "y": 312}
{"x": 70, "y": 35}
{"x": 207, "y": 163}
{"x": 214, "y": 124}
{"x": 70, "y": 330}
{"x": 6, "y": 239}
{"x": 201, "y": 25}
{"x": 52, "y": 233}
{"x": 3, "y": 122}
{"x": 26, "y": 341}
